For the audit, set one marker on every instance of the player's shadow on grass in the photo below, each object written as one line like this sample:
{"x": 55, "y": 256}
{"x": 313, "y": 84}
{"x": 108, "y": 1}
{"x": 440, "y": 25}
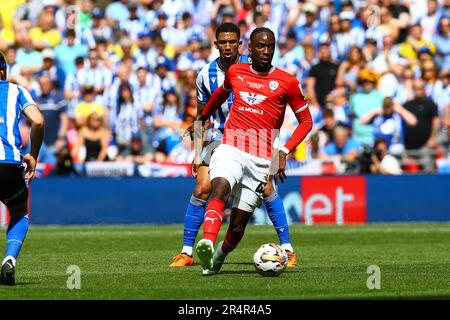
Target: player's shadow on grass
{"x": 244, "y": 263}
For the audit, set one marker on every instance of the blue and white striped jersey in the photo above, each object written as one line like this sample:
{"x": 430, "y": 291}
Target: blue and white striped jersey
{"x": 13, "y": 100}
{"x": 211, "y": 77}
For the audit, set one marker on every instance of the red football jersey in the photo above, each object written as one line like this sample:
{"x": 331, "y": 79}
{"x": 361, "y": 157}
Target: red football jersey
{"x": 258, "y": 107}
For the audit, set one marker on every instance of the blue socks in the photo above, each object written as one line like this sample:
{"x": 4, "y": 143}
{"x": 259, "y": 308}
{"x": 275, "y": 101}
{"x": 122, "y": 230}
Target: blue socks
{"x": 275, "y": 210}
{"x": 195, "y": 213}
{"x": 15, "y": 235}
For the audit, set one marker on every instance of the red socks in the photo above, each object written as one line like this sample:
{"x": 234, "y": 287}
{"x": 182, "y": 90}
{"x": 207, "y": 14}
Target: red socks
{"x": 213, "y": 219}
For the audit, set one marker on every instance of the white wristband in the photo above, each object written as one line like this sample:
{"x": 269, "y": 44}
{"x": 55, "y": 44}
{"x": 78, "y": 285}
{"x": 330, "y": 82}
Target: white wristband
{"x": 285, "y": 150}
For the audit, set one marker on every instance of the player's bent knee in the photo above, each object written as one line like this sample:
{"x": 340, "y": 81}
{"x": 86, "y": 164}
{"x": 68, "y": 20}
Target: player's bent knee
{"x": 221, "y": 188}
{"x": 268, "y": 189}
{"x": 202, "y": 191}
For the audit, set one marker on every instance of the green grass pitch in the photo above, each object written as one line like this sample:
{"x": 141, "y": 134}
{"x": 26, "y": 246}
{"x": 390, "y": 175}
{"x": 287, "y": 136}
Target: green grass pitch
{"x": 131, "y": 262}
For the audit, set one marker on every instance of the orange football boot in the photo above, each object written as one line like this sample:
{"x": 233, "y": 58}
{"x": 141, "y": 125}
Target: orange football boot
{"x": 182, "y": 260}
{"x": 292, "y": 259}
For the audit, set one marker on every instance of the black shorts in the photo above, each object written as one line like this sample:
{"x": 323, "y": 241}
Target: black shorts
{"x": 13, "y": 189}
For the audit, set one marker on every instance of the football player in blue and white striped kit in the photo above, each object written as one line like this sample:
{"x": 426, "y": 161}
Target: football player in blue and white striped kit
{"x": 211, "y": 77}
{"x": 15, "y": 100}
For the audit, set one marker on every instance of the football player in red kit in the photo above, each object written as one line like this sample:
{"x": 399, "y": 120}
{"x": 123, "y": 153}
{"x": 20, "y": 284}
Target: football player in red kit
{"x": 242, "y": 164}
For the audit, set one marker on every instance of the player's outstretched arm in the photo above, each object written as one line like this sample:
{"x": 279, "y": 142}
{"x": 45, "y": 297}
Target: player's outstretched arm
{"x": 33, "y": 113}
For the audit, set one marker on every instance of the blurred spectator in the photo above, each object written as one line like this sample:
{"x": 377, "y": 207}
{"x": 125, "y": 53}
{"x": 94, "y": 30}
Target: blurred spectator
{"x": 342, "y": 150}
{"x": 95, "y": 74}
{"x": 347, "y": 37}
{"x": 117, "y": 11}
{"x": 349, "y": 70}
{"x": 135, "y": 152}
{"x": 312, "y": 29}
{"x": 88, "y": 105}
{"x": 45, "y": 35}
{"x": 329, "y": 125}
{"x": 54, "y": 109}
{"x": 389, "y": 124}
{"x": 148, "y": 95}
{"x": 442, "y": 42}
{"x": 27, "y": 57}
{"x": 68, "y": 51}
{"x": 363, "y": 102}
{"x": 424, "y": 134}
{"x": 72, "y": 89}
{"x": 430, "y": 21}
{"x": 167, "y": 120}
{"x": 128, "y": 117}
{"x": 27, "y": 14}
{"x": 381, "y": 162}
{"x": 93, "y": 140}
{"x": 13, "y": 69}
{"x": 338, "y": 102}
{"x": 49, "y": 67}
{"x": 322, "y": 76}
{"x": 414, "y": 43}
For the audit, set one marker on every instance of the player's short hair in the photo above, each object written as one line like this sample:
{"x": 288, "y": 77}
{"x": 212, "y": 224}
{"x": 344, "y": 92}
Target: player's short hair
{"x": 228, "y": 27}
{"x": 3, "y": 64}
{"x": 261, "y": 30}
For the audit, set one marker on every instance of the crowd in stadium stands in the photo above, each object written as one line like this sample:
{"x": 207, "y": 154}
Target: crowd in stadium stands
{"x": 116, "y": 80}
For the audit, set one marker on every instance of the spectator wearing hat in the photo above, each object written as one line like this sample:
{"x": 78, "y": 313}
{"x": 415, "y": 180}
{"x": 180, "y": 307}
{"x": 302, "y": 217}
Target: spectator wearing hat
{"x": 168, "y": 79}
{"x": 45, "y": 34}
{"x": 145, "y": 54}
{"x": 49, "y": 67}
{"x": 361, "y": 103}
{"x": 347, "y": 37}
{"x": 322, "y": 76}
{"x": 312, "y": 30}
{"x": 100, "y": 28}
{"x": 67, "y": 51}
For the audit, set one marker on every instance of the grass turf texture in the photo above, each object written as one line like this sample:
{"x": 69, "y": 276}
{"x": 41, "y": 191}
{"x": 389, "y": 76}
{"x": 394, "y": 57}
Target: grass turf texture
{"x": 131, "y": 262}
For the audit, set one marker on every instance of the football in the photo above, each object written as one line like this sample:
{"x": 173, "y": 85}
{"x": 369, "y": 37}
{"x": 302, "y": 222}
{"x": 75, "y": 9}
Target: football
{"x": 270, "y": 260}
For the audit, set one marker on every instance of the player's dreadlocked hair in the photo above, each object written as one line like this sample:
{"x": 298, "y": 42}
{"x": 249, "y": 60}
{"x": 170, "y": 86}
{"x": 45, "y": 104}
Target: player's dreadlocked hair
{"x": 228, "y": 27}
{"x": 3, "y": 65}
{"x": 260, "y": 30}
